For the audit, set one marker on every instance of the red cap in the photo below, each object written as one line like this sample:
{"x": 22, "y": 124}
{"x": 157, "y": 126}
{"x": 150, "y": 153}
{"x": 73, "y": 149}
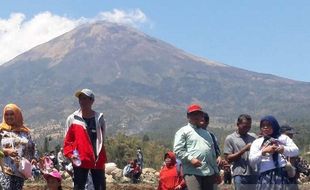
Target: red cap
{"x": 193, "y": 107}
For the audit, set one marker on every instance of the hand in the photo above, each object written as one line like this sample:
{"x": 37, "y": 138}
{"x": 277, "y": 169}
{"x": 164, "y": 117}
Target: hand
{"x": 247, "y": 147}
{"x": 269, "y": 149}
{"x": 218, "y": 179}
{"x": 178, "y": 187}
{"x": 73, "y": 157}
{"x": 195, "y": 162}
{"x": 219, "y": 161}
{"x": 280, "y": 149}
{"x": 10, "y": 152}
{"x": 224, "y": 162}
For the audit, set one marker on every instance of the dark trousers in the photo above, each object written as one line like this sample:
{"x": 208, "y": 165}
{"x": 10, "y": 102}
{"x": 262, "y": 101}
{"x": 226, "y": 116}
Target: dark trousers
{"x": 80, "y": 178}
{"x": 245, "y": 182}
{"x": 195, "y": 182}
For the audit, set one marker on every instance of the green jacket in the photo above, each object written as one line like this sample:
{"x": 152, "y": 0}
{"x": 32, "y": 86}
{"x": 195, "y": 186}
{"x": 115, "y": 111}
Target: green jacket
{"x": 192, "y": 142}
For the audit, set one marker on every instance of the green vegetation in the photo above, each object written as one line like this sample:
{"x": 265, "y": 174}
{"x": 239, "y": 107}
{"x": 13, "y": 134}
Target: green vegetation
{"x": 122, "y": 148}
{"x": 155, "y": 141}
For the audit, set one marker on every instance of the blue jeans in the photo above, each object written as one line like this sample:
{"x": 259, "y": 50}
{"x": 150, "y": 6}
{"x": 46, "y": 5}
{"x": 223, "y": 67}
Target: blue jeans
{"x": 245, "y": 182}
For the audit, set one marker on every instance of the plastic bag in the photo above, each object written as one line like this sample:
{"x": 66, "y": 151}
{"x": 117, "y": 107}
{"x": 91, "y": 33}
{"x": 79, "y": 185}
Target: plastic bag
{"x": 25, "y": 167}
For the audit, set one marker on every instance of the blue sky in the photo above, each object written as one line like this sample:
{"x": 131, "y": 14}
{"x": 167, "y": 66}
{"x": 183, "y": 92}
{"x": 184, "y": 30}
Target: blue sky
{"x": 267, "y": 36}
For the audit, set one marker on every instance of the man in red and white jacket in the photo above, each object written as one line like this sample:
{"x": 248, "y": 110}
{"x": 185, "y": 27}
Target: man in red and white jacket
{"x": 85, "y": 135}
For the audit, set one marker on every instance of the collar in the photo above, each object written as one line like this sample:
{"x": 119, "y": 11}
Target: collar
{"x": 238, "y": 135}
{"x": 79, "y": 114}
{"x": 193, "y": 126}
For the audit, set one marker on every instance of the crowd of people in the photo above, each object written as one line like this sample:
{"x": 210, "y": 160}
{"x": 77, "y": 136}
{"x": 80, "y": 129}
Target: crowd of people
{"x": 83, "y": 146}
{"x": 263, "y": 161}
{"x": 268, "y": 160}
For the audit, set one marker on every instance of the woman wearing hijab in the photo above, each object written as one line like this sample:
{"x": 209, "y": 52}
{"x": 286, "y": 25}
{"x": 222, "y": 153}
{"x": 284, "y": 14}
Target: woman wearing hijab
{"x": 16, "y": 143}
{"x": 268, "y": 154}
{"x": 171, "y": 175}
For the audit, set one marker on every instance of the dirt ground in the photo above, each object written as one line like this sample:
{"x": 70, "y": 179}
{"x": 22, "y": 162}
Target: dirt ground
{"x": 114, "y": 186}
{"x": 110, "y": 186}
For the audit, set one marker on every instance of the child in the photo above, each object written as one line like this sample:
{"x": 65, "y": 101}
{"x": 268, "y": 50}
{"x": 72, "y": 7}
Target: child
{"x": 53, "y": 180}
{"x": 171, "y": 175}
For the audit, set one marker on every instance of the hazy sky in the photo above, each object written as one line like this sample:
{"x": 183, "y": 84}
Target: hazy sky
{"x": 267, "y": 36}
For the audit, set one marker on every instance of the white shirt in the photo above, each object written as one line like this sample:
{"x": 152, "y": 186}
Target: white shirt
{"x": 265, "y": 163}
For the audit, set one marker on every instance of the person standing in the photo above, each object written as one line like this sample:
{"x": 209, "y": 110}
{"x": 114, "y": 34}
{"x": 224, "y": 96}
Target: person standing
{"x": 140, "y": 157}
{"x": 290, "y": 132}
{"x": 171, "y": 174}
{"x": 205, "y": 125}
{"x": 194, "y": 146}
{"x": 17, "y": 145}
{"x": 236, "y": 151}
{"x": 60, "y": 159}
{"x": 84, "y": 141}
{"x": 269, "y": 152}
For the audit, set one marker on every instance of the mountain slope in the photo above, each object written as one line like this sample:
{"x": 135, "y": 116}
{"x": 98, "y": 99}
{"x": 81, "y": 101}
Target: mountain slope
{"x": 140, "y": 82}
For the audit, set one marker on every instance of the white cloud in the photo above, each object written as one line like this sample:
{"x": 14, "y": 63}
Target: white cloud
{"x": 18, "y": 35}
{"x": 133, "y": 18}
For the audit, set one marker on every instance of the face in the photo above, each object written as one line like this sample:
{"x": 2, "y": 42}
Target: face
{"x": 52, "y": 183}
{"x": 244, "y": 126}
{"x": 204, "y": 123}
{"x": 266, "y": 128}
{"x": 85, "y": 102}
{"x": 196, "y": 118}
{"x": 168, "y": 161}
{"x": 9, "y": 117}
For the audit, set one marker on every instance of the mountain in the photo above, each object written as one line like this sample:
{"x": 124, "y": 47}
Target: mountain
{"x": 141, "y": 83}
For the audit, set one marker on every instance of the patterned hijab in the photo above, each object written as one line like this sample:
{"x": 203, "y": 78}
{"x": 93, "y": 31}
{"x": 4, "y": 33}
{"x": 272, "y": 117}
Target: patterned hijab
{"x": 18, "y": 126}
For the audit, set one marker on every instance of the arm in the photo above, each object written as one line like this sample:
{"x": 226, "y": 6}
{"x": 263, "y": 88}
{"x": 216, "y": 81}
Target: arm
{"x": 229, "y": 153}
{"x": 103, "y": 127}
{"x": 179, "y": 146}
{"x": 216, "y": 145}
{"x": 217, "y": 150}
{"x": 290, "y": 148}
{"x": 180, "y": 149}
{"x": 9, "y": 152}
{"x": 69, "y": 140}
{"x": 255, "y": 155}
{"x": 235, "y": 156}
{"x": 181, "y": 183}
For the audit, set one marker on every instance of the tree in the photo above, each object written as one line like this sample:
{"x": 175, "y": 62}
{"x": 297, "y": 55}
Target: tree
{"x": 146, "y": 138}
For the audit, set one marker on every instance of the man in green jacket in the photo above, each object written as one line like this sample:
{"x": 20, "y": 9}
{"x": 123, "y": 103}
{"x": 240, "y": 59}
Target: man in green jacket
{"x": 194, "y": 146}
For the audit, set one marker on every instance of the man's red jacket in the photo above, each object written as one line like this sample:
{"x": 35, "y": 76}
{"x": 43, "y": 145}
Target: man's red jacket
{"x": 77, "y": 138}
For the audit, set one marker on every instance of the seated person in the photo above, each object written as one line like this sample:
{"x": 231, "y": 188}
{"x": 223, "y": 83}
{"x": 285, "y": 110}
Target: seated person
{"x": 132, "y": 171}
